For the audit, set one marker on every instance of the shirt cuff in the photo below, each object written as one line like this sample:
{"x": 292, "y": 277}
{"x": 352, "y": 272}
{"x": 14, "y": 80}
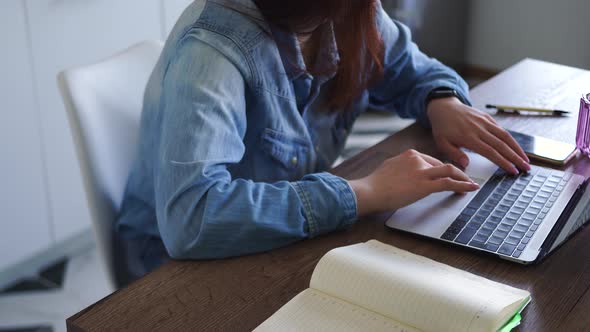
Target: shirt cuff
{"x": 328, "y": 203}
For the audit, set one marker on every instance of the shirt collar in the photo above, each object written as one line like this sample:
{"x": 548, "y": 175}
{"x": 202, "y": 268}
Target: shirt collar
{"x": 289, "y": 49}
{"x": 327, "y": 58}
{"x": 246, "y": 7}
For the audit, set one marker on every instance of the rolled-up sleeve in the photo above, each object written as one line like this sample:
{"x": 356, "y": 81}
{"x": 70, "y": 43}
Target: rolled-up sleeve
{"x": 409, "y": 75}
{"x": 202, "y": 212}
{"x": 318, "y": 191}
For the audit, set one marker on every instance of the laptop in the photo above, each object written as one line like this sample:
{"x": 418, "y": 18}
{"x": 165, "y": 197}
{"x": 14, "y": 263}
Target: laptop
{"x": 520, "y": 218}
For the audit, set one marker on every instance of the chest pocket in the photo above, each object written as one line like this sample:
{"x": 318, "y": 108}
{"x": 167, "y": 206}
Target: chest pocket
{"x": 288, "y": 152}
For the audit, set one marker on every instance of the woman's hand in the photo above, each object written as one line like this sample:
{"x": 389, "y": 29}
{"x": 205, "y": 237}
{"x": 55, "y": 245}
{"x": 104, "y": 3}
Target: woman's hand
{"x": 455, "y": 126}
{"x": 406, "y": 179}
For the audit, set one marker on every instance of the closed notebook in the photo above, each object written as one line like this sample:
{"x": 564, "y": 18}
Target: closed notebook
{"x": 376, "y": 287}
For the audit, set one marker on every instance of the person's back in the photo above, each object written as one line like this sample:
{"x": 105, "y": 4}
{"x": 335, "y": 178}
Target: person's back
{"x": 237, "y": 132}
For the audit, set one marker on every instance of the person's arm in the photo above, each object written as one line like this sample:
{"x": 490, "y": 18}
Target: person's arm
{"x": 202, "y": 212}
{"x": 409, "y": 75}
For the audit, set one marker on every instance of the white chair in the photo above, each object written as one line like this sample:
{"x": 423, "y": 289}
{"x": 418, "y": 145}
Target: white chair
{"x": 103, "y": 103}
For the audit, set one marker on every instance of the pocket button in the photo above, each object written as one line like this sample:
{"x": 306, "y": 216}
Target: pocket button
{"x": 294, "y": 161}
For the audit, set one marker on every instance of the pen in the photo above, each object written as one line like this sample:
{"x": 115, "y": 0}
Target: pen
{"x": 516, "y": 109}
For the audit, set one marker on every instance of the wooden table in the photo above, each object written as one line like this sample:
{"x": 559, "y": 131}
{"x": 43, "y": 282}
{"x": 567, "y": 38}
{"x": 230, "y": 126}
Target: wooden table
{"x": 238, "y": 294}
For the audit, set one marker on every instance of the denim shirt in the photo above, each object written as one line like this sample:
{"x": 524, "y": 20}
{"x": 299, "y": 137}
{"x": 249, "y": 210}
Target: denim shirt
{"x": 234, "y": 140}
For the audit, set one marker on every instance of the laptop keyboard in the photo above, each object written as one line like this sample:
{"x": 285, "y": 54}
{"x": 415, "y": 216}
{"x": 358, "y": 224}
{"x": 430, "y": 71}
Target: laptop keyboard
{"x": 507, "y": 211}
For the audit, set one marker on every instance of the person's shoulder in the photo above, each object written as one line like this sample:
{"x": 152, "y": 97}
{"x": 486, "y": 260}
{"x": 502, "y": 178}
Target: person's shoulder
{"x": 235, "y": 28}
{"x": 238, "y": 22}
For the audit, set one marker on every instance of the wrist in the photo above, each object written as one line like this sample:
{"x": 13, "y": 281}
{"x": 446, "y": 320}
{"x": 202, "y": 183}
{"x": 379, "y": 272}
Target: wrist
{"x": 441, "y": 104}
{"x": 362, "y": 192}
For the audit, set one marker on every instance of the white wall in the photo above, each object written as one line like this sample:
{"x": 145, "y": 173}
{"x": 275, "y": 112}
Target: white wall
{"x": 24, "y": 206}
{"x": 502, "y": 32}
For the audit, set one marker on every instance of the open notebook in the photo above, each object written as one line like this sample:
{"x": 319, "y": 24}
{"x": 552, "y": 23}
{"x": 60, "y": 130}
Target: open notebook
{"x": 376, "y": 287}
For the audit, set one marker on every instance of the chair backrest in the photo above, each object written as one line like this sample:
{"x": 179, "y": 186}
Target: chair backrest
{"x": 103, "y": 102}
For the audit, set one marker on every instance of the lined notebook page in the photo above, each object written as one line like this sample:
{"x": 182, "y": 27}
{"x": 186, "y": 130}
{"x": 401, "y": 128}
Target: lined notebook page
{"x": 420, "y": 292}
{"x": 313, "y": 310}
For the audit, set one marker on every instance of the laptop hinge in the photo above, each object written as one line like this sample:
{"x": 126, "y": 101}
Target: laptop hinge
{"x": 562, "y": 221}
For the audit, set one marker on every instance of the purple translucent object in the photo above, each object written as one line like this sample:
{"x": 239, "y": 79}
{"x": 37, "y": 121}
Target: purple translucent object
{"x": 583, "y": 135}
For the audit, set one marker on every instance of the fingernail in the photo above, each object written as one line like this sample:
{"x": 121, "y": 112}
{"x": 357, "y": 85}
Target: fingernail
{"x": 514, "y": 170}
{"x": 464, "y": 162}
{"x": 475, "y": 185}
{"x": 527, "y": 167}
{"x": 527, "y": 158}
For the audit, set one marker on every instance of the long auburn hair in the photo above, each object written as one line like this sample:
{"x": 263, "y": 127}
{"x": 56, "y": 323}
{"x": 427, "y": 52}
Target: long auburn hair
{"x": 359, "y": 43}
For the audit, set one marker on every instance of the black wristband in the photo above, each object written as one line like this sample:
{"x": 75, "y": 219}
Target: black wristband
{"x": 442, "y": 92}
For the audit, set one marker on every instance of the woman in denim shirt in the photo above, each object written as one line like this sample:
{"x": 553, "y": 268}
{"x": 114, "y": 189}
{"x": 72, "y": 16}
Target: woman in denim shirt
{"x": 251, "y": 102}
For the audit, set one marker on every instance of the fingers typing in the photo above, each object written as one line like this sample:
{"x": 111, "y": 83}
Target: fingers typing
{"x": 454, "y": 153}
{"x": 489, "y": 152}
{"x": 508, "y": 139}
{"x": 446, "y": 171}
{"x": 506, "y": 151}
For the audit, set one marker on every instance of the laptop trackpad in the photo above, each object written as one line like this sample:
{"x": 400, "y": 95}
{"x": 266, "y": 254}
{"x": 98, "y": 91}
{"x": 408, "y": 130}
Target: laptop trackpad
{"x": 432, "y": 215}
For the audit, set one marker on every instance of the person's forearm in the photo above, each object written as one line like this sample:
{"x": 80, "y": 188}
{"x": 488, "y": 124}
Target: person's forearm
{"x": 223, "y": 219}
